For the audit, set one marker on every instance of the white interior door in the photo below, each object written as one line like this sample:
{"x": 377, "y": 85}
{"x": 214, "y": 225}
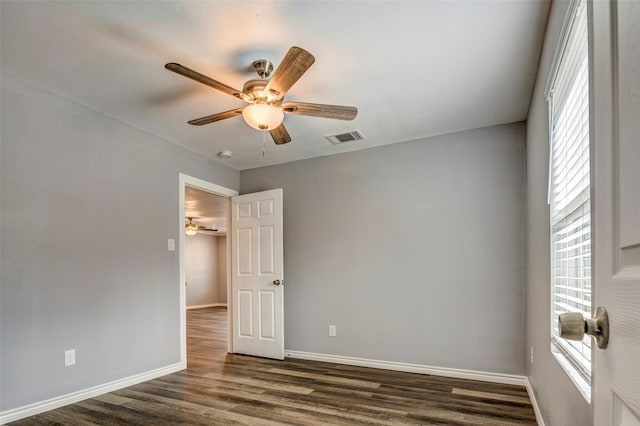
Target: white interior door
{"x": 257, "y": 274}
{"x": 616, "y": 267}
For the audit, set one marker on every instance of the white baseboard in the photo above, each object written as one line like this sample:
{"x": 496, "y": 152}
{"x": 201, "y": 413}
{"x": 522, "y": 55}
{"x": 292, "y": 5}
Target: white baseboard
{"x": 484, "y": 376}
{"x": 534, "y": 403}
{"x": 209, "y": 305}
{"x": 59, "y": 401}
{"x": 53, "y": 403}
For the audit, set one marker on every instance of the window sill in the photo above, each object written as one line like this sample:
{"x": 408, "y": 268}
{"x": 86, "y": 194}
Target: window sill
{"x": 576, "y": 378}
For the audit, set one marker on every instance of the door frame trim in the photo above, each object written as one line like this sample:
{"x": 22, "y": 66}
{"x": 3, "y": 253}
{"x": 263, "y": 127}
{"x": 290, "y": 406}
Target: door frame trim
{"x": 193, "y": 182}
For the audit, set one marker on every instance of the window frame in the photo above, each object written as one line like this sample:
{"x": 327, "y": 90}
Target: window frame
{"x": 579, "y": 373}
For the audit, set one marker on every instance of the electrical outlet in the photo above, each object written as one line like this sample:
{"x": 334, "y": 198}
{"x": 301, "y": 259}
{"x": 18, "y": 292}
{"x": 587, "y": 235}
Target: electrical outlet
{"x": 332, "y": 331}
{"x": 531, "y": 355}
{"x": 69, "y": 357}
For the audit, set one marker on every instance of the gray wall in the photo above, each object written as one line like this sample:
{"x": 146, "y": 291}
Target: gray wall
{"x": 559, "y": 399}
{"x": 415, "y": 251}
{"x": 87, "y": 206}
{"x": 203, "y": 256}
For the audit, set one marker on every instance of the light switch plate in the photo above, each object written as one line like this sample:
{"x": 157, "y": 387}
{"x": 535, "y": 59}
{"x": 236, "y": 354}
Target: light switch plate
{"x": 332, "y": 331}
{"x": 171, "y": 246}
{"x": 69, "y": 357}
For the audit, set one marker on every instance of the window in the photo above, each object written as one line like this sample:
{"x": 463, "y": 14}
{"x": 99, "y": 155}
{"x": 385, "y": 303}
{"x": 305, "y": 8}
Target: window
{"x": 569, "y": 196}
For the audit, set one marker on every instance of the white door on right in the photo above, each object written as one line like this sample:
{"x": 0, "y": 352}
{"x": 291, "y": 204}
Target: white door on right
{"x": 257, "y": 274}
{"x": 616, "y": 231}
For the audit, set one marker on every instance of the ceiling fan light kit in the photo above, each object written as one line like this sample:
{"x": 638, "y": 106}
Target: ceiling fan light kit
{"x": 262, "y": 116}
{"x": 192, "y": 229}
{"x": 265, "y": 111}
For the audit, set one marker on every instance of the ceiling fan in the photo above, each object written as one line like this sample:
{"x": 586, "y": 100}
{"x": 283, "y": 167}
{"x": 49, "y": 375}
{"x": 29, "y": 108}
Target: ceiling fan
{"x": 265, "y": 96}
{"x": 192, "y": 229}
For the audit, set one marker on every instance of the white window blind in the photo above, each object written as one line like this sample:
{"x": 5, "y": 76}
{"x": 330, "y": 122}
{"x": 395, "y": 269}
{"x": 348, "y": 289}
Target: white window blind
{"x": 570, "y": 194}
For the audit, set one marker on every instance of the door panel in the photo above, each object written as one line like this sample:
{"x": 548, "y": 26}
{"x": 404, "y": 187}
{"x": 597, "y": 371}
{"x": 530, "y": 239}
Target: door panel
{"x": 622, "y": 414}
{"x": 266, "y": 241}
{"x": 265, "y": 208}
{"x": 243, "y": 210}
{"x": 267, "y": 315}
{"x": 627, "y": 15}
{"x": 616, "y": 103}
{"x": 257, "y": 263}
{"x": 245, "y": 251}
{"x": 245, "y": 314}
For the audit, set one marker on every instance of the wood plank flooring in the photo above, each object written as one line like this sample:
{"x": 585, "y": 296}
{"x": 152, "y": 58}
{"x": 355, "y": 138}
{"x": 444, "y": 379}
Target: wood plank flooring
{"x": 222, "y": 389}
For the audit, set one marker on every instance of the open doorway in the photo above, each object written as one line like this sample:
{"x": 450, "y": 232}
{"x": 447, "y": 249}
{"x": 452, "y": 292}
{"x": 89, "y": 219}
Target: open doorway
{"x": 205, "y": 250}
{"x": 255, "y": 314}
{"x": 205, "y": 261}
{"x": 204, "y": 269}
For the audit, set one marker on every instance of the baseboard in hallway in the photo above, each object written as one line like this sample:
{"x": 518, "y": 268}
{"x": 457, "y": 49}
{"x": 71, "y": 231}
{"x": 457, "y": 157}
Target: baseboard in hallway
{"x": 208, "y": 305}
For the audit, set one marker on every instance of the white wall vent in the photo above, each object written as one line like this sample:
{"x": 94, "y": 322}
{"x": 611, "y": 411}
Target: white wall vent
{"x": 345, "y": 137}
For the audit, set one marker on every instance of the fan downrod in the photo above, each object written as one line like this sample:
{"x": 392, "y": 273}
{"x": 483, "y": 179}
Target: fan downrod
{"x": 263, "y": 67}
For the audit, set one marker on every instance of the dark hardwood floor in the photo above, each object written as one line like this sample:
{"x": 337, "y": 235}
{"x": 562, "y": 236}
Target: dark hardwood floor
{"x": 222, "y": 389}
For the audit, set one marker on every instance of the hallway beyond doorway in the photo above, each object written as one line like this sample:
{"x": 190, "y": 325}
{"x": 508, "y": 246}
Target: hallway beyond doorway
{"x": 206, "y": 337}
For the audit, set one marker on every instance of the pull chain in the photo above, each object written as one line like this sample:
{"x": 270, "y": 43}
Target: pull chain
{"x": 264, "y": 142}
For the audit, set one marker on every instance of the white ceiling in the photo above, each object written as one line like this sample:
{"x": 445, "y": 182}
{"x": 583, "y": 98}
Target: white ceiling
{"x": 206, "y": 209}
{"x": 413, "y": 68}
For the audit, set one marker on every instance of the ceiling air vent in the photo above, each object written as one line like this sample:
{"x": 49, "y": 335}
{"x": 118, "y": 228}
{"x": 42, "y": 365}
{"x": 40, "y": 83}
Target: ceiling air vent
{"x": 345, "y": 137}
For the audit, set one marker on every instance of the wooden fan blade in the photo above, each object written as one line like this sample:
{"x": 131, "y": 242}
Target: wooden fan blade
{"x": 295, "y": 63}
{"x": 202, "y": 228}
{"x": 338, "y": 112}
{"x": 280, "y": 135}
{"x": 216, "y": 117}
{"x": 201, "y": 78}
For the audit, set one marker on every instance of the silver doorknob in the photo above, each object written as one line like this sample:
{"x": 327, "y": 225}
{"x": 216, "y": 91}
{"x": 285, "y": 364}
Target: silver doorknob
{"x": 573, "y": 326}
{"x": 278, "y": 282}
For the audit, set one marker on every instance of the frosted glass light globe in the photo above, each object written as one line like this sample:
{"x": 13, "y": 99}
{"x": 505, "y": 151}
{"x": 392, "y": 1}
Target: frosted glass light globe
{"x": 191, "y": 229}
{"x": 263, "y": 116}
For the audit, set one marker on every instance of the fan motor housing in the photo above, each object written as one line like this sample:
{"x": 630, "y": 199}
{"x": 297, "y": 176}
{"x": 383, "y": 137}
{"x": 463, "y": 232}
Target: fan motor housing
{"x": 255, "y": 89}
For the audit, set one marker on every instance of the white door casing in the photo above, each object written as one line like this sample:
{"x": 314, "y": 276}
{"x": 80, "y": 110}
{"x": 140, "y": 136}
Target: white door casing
{"x": 184, "y": 181}
{"x": 615, "y": 115}
{"x": 257, "y": 262}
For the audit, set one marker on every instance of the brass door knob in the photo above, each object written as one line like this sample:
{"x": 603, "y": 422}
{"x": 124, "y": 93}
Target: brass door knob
{"x": 573, "y": 326}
